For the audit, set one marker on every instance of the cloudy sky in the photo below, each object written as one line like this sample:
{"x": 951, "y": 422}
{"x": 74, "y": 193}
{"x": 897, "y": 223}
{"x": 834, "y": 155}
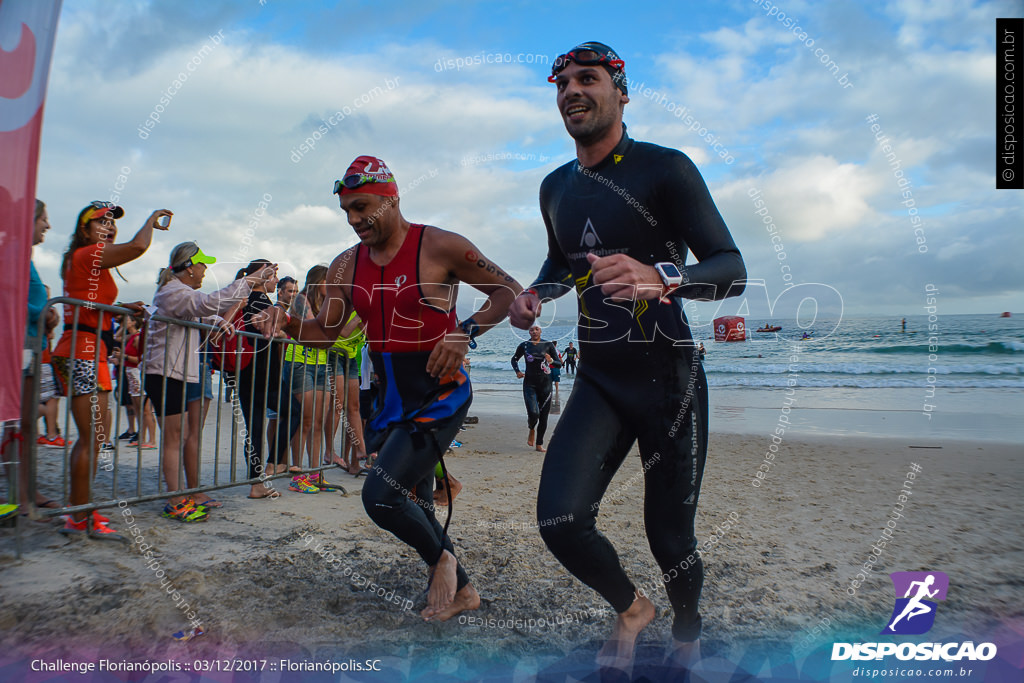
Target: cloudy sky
{"x": 454, "y": 97}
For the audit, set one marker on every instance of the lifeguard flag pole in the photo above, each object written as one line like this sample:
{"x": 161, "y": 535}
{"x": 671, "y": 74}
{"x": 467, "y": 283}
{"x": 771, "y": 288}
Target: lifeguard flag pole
{"x": 27, "y": 32}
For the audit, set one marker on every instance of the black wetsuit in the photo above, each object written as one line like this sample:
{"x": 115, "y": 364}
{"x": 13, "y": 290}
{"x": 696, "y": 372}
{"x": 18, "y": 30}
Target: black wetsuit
{"x": 570, "y": 359}
{"x": 642, "y": 380}
{"x": 536, "y": 383}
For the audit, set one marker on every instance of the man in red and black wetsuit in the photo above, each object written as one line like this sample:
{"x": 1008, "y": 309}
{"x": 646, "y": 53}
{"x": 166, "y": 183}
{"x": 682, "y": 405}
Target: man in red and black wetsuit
{"x": 402, "y": 279}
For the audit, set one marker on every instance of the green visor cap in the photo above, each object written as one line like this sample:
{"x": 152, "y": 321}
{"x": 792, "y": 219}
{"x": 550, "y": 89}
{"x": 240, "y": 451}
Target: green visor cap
{"x": 199, "y": 257}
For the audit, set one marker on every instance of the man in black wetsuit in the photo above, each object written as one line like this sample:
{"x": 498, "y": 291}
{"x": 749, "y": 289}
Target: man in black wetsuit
{"x": 536, "y": 384}
{"x": 570, "y": 354}
{"x": 620, "y": 219}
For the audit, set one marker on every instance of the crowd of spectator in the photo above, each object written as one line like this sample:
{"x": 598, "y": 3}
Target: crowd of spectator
{"x": 161, "y": 358}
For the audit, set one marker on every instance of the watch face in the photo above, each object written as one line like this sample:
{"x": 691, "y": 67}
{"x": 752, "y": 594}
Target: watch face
{"x": 670, "y": 270}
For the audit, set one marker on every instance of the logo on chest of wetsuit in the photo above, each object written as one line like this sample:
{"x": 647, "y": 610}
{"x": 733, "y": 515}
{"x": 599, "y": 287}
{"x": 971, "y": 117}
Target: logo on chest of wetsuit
{"x": 589, "y": 237}
{"x": 400, "y": 280}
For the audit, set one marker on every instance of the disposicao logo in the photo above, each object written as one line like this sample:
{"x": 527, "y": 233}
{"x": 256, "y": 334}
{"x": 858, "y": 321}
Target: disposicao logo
{"x": 917, "y": 597}
{"x": 916, "y": 593}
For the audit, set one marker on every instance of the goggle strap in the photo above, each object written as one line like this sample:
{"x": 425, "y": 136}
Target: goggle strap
{"x": 360, "y": 180}
{"x": 563, "y": 61}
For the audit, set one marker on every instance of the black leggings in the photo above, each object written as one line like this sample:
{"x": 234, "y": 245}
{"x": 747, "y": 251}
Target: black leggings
{"x": 405, "y": 463}
{"x": 254, "y": 402}
{"x": 658, "y": 405}
{"x": 537, "y": 395}
{"x": 570, "y": 365}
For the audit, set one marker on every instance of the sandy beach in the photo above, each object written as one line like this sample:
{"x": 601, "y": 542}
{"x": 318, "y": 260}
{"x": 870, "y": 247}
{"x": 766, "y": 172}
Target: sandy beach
{"x": 308, "y": 578}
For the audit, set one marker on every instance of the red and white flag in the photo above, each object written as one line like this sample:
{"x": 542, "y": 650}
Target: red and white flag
{"x": 27, "y": 32}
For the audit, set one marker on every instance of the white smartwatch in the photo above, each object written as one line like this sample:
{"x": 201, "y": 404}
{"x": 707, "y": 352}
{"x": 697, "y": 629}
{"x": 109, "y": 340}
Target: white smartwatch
{"x": 670, "y": 276}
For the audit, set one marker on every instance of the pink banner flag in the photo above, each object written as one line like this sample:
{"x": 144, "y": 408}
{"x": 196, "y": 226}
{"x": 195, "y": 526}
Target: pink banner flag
{"x": 27, "y": 31}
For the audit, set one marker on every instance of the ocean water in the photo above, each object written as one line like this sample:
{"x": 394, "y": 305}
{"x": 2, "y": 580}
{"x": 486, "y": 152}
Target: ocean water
{"x": 964, "y": 380}
{"x": 967, "y": 351}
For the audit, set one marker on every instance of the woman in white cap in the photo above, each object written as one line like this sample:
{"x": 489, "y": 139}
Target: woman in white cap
{"x": 172, "y": 366}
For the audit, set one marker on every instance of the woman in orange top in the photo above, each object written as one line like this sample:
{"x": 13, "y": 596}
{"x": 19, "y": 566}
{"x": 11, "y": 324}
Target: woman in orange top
{"x": 83, "y": 368}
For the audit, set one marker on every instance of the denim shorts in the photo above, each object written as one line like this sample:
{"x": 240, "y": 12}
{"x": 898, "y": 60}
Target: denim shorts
{"x": 206, "y": 379}
{"x": 341, "y": 360}
{"x": 303, "y": 377}
{"x": 193, "y": 391}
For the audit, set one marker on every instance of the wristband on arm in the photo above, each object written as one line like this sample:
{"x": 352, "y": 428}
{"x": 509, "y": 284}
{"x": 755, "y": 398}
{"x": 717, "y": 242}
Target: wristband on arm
{"x": 471, "y": 329}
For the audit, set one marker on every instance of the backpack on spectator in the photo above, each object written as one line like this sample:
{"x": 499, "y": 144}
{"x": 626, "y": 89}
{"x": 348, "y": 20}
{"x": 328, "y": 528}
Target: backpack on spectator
{"x": 230, "y": 354}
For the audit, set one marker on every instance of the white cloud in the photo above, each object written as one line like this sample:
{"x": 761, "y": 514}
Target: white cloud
{"x": 810, "y": 199}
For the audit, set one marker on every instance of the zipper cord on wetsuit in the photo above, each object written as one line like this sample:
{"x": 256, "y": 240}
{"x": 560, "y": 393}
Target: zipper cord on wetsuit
{"x": 447, "y": 484}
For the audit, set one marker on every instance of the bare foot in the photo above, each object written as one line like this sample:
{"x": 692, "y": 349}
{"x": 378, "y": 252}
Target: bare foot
{"x": 441, "y": 494}
{"x": 466, "y": 599}
{"x": 333, "y": 459}
{"x": 530, "y": 440}
{"x": 617, "y": 653}
{"x": 541, "y": 449}
{"x": 261, "y": 491}
{"x": 442, "y": 586}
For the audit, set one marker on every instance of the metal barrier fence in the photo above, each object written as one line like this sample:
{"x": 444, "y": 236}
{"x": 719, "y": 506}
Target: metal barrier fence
{"x": 225, "y": 465}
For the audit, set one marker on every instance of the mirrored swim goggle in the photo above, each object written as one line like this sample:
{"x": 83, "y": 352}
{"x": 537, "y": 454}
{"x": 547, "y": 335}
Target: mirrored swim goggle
{"x": 585, "y": 57}
{"x": 355, "y": 180}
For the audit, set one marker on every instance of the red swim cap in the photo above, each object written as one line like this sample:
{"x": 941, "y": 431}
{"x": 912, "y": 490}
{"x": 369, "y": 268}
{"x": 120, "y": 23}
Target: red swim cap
{"x": 368, "y": 175}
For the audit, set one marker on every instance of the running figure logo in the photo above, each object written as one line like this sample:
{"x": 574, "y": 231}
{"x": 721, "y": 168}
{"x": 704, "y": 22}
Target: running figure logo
{"x": 914, "y": 612}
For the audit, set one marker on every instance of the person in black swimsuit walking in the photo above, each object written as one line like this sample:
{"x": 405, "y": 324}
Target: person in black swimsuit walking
{"x": 620, "y": 219}
{"x": 570, "y": 355}
{"x": 536, "y": 384}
